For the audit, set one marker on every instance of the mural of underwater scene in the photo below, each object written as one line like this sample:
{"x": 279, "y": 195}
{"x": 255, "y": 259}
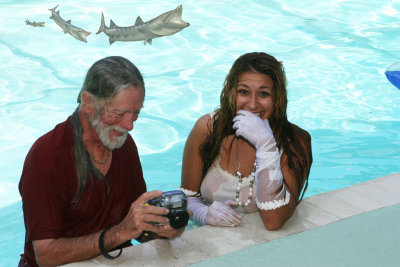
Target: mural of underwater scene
{"x": 335, "y": 53}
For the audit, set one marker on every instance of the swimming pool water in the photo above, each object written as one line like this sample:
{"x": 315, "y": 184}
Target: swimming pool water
{"x": 335, "y": 55}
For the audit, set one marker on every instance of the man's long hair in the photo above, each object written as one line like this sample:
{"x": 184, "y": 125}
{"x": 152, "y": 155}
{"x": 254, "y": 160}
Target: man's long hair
{"x": 104, "y": 79}
{"x": 256, "y": 62}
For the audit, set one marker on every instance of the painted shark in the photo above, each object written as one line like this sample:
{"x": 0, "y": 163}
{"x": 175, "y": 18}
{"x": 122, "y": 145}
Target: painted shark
{"x": 67, "y": 27}
{"x": 34, "y": 23}
{"x": 166, "y": 24}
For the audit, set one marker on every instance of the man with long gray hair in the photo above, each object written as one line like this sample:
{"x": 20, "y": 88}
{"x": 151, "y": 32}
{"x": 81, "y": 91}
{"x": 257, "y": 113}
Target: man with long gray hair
{"x": 82, "y": 184}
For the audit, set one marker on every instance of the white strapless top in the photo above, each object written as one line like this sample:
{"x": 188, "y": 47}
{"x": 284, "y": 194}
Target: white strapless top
{"x": 221, "y": 185}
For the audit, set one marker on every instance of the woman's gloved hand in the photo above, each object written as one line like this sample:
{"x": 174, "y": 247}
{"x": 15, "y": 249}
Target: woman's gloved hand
{"x": 218, "y": 213}
{"x": 221, "y": 214}
{"x": 256, "y": 130}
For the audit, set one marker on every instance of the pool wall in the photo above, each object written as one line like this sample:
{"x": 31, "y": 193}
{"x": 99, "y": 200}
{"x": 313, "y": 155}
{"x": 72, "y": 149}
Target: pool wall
{"x": 355, "y": 224}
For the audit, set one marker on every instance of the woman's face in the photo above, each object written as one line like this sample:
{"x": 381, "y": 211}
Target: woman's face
{"x": 254, "y": 93}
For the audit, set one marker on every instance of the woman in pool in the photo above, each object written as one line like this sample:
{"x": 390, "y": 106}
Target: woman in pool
{"x": 246, "y": 156}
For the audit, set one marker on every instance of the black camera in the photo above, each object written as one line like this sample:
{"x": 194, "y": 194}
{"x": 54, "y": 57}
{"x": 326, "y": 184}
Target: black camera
{"x": 176, "y": 202}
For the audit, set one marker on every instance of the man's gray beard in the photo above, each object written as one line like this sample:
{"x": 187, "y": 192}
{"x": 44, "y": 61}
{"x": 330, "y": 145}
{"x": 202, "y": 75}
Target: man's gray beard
{"x": 103, "y": 131}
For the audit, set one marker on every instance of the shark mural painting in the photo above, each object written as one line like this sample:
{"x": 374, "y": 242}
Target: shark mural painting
{"x": 34, "y": 23}
{"x": 67, "y": 27}
{"x": 165, "y": 24}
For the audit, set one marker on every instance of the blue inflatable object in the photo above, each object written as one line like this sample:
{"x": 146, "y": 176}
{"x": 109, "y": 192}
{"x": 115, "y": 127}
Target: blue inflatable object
{"x": 393, "y": 74}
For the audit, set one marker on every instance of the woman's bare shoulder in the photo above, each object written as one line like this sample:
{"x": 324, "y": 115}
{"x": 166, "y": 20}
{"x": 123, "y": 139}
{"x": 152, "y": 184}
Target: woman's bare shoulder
{"x": 203, "y": 124}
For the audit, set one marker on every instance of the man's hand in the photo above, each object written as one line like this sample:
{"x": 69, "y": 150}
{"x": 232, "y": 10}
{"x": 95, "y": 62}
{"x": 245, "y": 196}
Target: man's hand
{"x": 140, "y": 216}
{"x": 169, "y": 232}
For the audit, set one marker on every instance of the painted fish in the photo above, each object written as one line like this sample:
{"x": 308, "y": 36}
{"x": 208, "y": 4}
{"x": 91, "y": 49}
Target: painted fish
{"x": 67, "y": 27}
{"x": 34, "y": 23}
{"x": 165, "y": 24}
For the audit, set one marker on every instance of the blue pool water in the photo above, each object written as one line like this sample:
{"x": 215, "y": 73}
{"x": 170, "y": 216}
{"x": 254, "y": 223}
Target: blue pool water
{"x": 335, "y": 54}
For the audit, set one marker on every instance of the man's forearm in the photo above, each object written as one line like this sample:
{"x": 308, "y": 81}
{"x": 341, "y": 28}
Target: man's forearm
{"x": 54, "y": 252}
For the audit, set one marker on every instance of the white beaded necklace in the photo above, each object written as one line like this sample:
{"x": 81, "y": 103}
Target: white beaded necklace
{"x": 239, "y": 176}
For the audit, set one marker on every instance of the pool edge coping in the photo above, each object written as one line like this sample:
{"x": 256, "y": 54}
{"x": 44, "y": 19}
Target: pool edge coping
{"x": 206, "y": 242}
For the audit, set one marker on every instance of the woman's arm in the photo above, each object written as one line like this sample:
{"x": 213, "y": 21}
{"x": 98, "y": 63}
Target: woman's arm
{"x": 218, "y": 213}
{"x": 274, "y": 219}
{"x": 192, "y": 163}
{"x": 276, "y": 184}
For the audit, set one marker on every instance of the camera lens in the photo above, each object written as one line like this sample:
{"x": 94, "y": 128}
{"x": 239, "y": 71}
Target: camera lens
{"x": 179, "y": 219}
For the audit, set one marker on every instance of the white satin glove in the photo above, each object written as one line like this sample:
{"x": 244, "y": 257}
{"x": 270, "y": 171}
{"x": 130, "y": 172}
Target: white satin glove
{"x": 271, "y": 192}
{"x": 256, "y": 130}
{"x": 218, "y": 214}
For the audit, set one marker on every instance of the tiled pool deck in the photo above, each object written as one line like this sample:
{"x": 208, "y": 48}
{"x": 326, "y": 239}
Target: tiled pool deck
{"x": 354, "y": 226}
